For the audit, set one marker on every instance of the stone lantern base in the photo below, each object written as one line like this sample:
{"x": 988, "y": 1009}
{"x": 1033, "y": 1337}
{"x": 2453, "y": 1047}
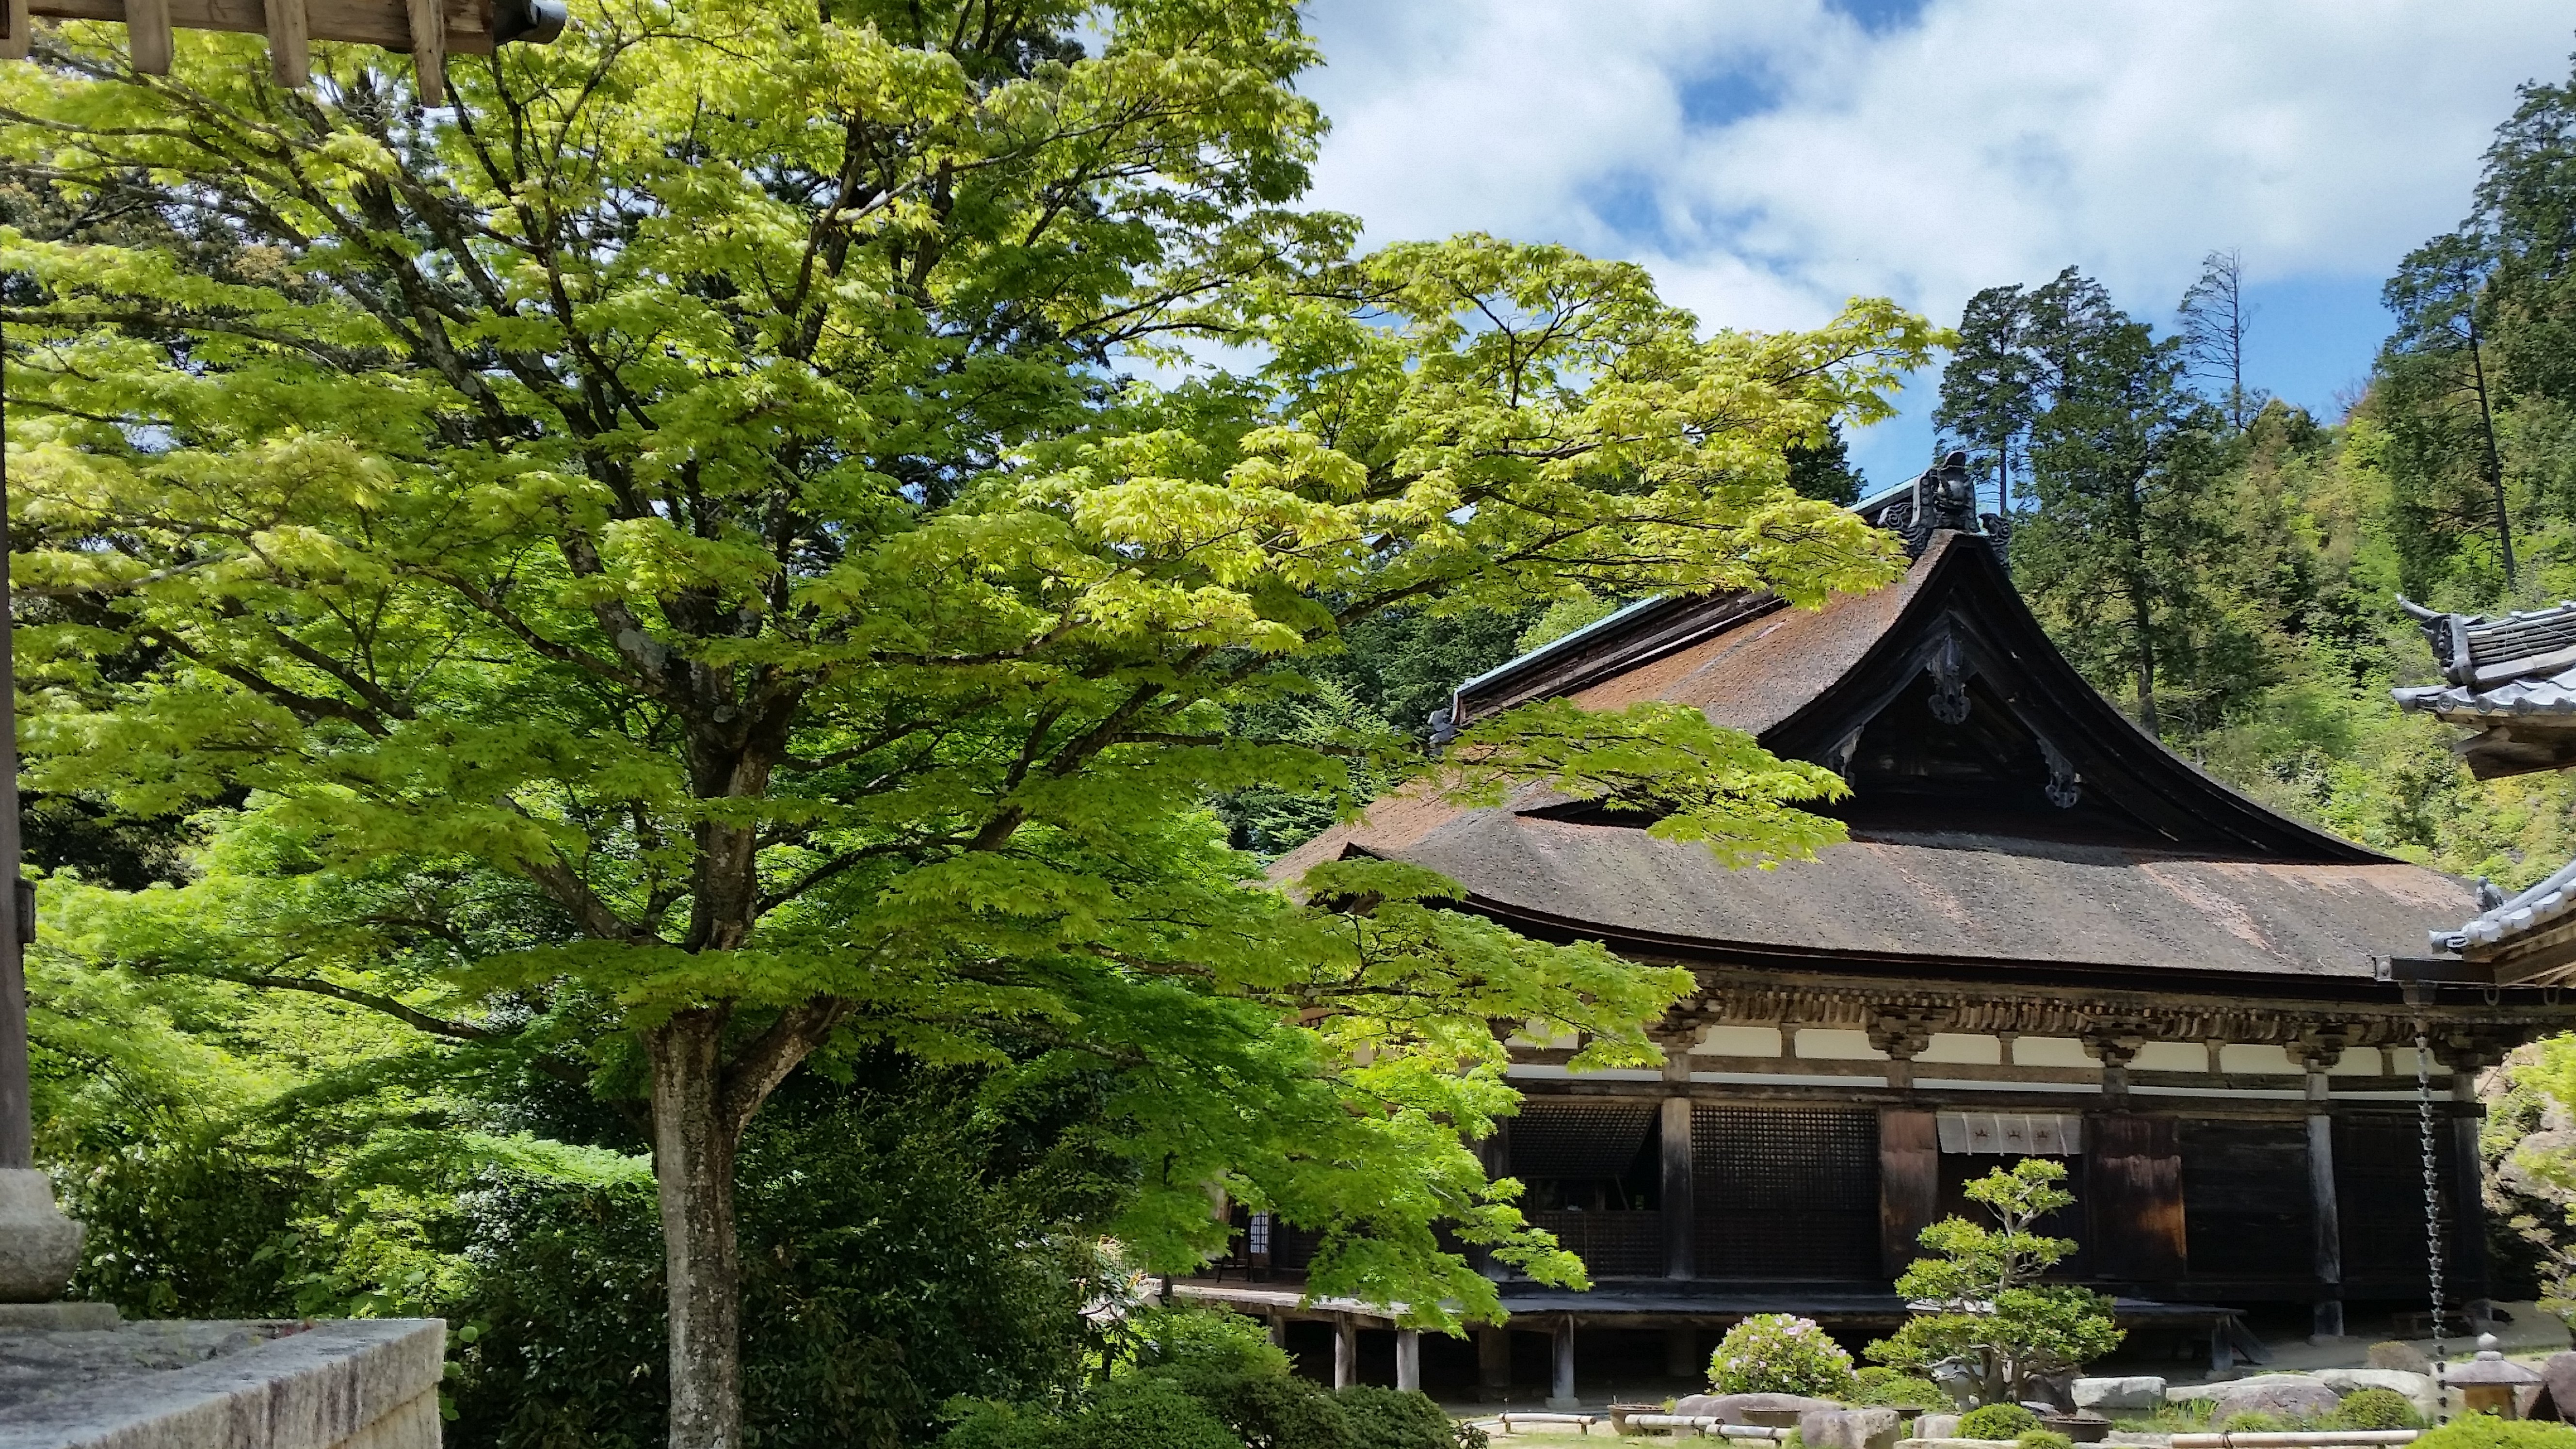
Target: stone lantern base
{"x": 39, "y": 1247}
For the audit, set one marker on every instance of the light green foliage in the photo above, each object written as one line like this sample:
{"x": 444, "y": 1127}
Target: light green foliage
{"x": 2253, "y": 1421}
{"x": 1980, "y": 1300}
{"x": 2043, "y": 1439}
{"x": 1882, "y": 1387}
{"x": 1781, "y": 1353}
{"x": 1997, "y": 1421}
{"x": 654, "y": 580}
{"x": 2377, "y": 1409}
{"x": 2485, "y": 1431}
{"x": 1564, "y": 617}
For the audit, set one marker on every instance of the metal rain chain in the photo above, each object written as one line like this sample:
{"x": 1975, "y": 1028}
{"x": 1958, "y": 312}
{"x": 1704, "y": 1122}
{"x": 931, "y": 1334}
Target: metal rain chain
{"x": 2432, "y": 1201}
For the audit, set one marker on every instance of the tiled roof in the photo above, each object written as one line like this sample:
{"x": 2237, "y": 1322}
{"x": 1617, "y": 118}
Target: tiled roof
{"x": 2529, "y": 911}
{"x": 2553, "y": 694}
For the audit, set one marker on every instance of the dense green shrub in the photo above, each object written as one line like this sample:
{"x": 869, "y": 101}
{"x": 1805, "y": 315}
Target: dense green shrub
{"x": 1780, "y": 1353}
{"x": 2485, "y": 1431}
{"x": 1997, "y": 1421}
{"x": 1882, "y": 1388}
{"x": 2252, "y": 1421}
{"x": 1147, "y": 1413}
{"x": 2377, "y": 1409}
{"x": 2043, "y": 1439}
{"x": 1394, "y": 1419}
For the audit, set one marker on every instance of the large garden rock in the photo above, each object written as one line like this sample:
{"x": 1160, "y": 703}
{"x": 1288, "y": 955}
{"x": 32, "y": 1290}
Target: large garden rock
{"x": 1772, "y": 1411}
{"x": 2557, "y": 1389}
{"x": 1937, "y": 1426}
{"x": 2113, "y": 1394}
{"x": 2418, "y": 1388}
{"x": 2403, "y": 1357}
{"x": 1848, "y": 1428}
{"x": 2284, "y": 1396}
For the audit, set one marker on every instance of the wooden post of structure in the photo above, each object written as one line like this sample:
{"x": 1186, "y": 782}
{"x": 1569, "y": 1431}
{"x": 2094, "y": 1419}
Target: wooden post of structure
{"x": 14, "y": 45}
{"x": 1346, "y": 1352}
{"x": 1681, "y": 1353}
{"x": 1408, "y": 1358}
{"x": 1560, "y": 1378}
{"x": 290, "y": 35}
{"x": 1909, "y": 1184}
{"x": 2323, "y": 1210}
{"x": 1493, "y": 1363}
{"x": 2468, "y": 1246}
{"x": 147, "y": 35}
{"x": 1279, "y": 1330}
{"x": 1681, "y": 1221}
{"x": 428, "y": 49}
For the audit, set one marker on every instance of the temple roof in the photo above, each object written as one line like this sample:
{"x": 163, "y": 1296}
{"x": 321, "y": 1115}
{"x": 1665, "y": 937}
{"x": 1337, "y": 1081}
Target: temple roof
{"x": 2002, "y": 811}
{"x": 2511, "y": 679}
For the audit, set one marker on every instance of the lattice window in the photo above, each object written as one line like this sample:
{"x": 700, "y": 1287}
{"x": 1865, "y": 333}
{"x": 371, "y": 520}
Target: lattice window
{"x": 1786, "y": 1194}
{"x": 1579, "y": 1139}
{"x": 2379, "y": 1196}
{"x": 2246, "y": 1209}
{"x": 1611, "y": 1244}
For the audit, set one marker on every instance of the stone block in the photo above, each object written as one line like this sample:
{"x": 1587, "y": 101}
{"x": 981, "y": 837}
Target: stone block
{"x": 2114, "y": 1394}
{"x": 1937, "y": 1426}
{"x": 367, "y": 1384}
{"x": 1848, "y": 1428}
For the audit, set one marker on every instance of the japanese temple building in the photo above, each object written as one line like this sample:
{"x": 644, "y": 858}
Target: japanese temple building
{"x": 2047, "y": 935}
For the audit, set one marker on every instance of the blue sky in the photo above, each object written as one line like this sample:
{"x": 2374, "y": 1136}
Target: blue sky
{"x": 1769, "y": 158}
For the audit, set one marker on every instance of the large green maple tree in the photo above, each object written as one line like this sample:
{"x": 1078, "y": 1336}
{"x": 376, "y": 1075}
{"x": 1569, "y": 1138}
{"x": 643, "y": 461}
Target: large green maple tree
{"x": 662, "y": 575}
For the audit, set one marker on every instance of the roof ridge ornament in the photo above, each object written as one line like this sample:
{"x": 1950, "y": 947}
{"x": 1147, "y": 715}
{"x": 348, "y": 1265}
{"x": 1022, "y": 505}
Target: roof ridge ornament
{"x": 1943, "y": 496}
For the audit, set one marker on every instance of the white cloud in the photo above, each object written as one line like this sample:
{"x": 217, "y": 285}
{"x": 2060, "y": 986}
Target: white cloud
{"x": 1988, "y": 140}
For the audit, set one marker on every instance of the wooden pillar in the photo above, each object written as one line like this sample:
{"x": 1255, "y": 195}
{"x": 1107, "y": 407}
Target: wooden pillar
{"x": 1346, "y": 1352}
{"x": 1493, "y": 1363}
{"x": 1408, "y": 1358}
{"x": 2325, "y": 1211}
{"x": 1681, "y": 1354}
{"x": 1681, "y": 1221}
{"x": 1560, "y": 1378}
{"x": 1279, "y": 1330}
{"x": 1909, "y": 1184}
{"x": 2468, "y": 1246}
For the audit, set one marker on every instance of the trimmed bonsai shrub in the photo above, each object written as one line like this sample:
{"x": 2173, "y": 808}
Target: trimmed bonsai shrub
{"x": 1997, "y": 1421}
{"x": 2377, "y": 1409}
{"x": 2485, "y": 1431}
{"x": 1892, "y": 1390}
{"x": 2044, "y": 1439}
{"x": 2252, "y": 1421}
{"x": 1981, "y": 1302}
{"x": 1780, "y": 1353}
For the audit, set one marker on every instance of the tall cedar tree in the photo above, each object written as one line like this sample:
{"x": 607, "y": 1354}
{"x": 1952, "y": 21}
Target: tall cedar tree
{"x": 680, "y": 492}
{"x": 2436, "y": 397}
{"x": 2122, "y": 462}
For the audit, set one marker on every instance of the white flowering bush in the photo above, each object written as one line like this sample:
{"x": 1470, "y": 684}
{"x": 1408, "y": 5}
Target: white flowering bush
{"x": 1781, "y": 1353}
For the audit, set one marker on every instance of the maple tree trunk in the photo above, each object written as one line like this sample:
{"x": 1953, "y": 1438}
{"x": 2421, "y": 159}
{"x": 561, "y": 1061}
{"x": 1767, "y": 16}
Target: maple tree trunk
{"x": 693, "y": 1162}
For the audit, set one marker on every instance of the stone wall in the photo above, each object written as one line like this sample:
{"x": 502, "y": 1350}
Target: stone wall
{"x": 73, "y": 1377}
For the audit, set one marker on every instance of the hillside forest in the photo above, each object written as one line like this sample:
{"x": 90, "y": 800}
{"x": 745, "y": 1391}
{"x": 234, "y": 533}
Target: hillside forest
{"x": 494, "y": 710}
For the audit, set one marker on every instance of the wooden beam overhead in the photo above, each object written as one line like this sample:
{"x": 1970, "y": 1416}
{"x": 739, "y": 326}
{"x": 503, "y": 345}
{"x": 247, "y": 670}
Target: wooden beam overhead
{"x": 465, "y": 28}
